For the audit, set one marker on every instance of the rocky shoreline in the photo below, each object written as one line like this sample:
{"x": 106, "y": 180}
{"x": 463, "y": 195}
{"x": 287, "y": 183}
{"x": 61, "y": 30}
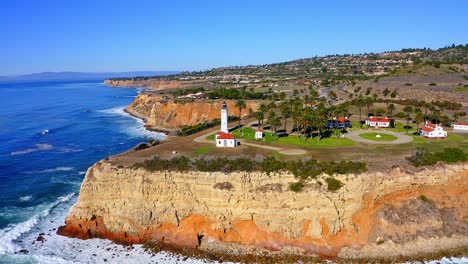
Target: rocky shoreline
{"x": 375, "y": 216}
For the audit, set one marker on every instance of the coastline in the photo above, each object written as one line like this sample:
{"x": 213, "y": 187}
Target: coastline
{"x": 181, "y": 233}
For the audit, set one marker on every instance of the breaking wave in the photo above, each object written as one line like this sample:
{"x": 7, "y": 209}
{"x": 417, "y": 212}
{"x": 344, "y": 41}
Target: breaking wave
{"x": 9, "y": 234}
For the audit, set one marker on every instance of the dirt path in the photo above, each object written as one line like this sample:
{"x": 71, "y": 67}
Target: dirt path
{"x": 401, "y": 138}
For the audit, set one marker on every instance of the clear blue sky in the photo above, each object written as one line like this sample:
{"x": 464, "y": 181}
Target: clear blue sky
{"x": 135, "y": 35}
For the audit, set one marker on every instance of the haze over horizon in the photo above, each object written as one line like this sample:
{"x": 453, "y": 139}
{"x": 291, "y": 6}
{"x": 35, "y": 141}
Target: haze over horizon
{"x": 113, "y": 36}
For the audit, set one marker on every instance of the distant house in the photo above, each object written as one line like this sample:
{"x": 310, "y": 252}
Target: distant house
{"x": 258, "y": 134}
{"x": 460, "y": 126}
{"x": 431, "y": 130}
{"x": 377, "y": 121}
{"x": 340, "y": 122}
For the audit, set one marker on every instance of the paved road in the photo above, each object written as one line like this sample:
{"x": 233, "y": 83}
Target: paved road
{"x": 401, "y": 138}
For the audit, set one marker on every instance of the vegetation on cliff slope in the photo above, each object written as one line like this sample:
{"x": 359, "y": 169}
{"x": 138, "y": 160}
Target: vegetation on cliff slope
{"x": 448, "y": 155}
{"x": 302, "y": 169}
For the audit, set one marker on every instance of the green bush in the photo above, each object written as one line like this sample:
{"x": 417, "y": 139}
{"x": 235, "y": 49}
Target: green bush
{"x": 333, "y": 184}
{"x": 423, "y": 198}
{"x": 448, "y": 155}
{"x": 296, "y": 186}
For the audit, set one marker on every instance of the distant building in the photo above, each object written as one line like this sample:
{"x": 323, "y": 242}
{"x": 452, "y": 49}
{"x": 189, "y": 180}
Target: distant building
{"x": 431, "y": 130}
{"x": 377, "y": 121}
{"x": 224, "y": 138}
{"x": 258, "y": 134}
{"x": 340, "y": 122}
{"x": 460, "y": 126}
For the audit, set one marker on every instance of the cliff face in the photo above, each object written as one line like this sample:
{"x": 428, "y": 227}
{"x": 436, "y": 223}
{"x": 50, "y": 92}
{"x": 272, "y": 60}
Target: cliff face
{"x": 167, "y": 115}
{"x": 196, "y": 208}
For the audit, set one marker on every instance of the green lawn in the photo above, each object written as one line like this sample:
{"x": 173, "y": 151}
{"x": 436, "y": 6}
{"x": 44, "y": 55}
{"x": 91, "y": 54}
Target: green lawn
{"x": 373, "y": 136}
{"x": 461, "y": 89}
{"x": 211, "y": 137}
{"x": 314, "y": 142}
{"x": 204, "y": 149}
{"x": 249, "y": 134}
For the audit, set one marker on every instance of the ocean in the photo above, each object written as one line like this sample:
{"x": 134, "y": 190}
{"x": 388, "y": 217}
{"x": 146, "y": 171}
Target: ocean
{"x": 50, "y": 133}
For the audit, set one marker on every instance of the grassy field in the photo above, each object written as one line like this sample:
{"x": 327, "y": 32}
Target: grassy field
{"x": 373, "y": 136}
{"x": 461, "y": 89}
{"x": 249, "y": 134}
{"x": 204, "y": 149}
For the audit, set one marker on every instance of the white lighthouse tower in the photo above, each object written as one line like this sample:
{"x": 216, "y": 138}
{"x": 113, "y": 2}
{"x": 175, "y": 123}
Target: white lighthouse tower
{"x": 224, "y": 118}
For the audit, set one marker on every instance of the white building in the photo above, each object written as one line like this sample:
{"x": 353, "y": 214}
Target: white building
{"x": 460, "y": 126}
{"x": 431, "y": 130}
{"x": 258, "y": 134}
{"x": 224, "y": 139}
{"x": 376, "y": 121}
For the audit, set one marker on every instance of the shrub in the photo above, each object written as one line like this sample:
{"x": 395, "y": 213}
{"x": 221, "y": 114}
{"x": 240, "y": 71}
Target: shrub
{"x": 448, "y": 155}
{"x": 433, "y": 84}
{"x": 333, "y": 184}
{"x": 223, "y": 186}
{"x": 296, "y": 186}
{"x": 423, "y": 198}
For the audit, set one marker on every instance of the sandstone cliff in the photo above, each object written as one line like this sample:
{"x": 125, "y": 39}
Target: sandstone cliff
{"x": 154, "y": 84}
{"x": 168, "y": 115}
{"x": 373, "y": 212}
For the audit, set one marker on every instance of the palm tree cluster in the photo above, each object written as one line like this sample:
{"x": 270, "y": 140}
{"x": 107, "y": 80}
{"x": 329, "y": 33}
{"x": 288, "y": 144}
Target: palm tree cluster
{"x": 308, "y": 115}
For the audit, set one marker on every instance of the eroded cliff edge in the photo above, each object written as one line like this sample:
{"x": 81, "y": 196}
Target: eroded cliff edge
{"x": 164, "y": 114}
{"x": 373, "y": 214}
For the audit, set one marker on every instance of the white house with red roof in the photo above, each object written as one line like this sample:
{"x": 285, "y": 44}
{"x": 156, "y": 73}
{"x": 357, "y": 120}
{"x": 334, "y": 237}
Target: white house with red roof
{"x": 460, "y": 126}
{"x": 258, "y": 134}
{"x": 378, "y": 121}
{"x": 431, "y": 130}
{"x": 224, "y": 139}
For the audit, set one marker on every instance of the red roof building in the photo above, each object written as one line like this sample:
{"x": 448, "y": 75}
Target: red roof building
{"x": 377, "y": 121}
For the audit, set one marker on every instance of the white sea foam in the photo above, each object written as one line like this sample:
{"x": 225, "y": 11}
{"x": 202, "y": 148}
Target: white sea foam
{"x": 137, "y": 130}
{"x": 25, "y": 198}
{"x": 82, "y": 172}
{"x": 39, "y": 147}
{"x": 9, "y": 234}
{"x": 50, "y": 170}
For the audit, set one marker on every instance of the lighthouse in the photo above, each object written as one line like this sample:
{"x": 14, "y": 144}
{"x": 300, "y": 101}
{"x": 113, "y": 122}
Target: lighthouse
{"x": 224, "y": 118}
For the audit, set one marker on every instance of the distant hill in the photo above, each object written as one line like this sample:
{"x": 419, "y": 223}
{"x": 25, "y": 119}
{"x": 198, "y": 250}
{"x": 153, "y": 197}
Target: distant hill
{"x": 50, "y": 76}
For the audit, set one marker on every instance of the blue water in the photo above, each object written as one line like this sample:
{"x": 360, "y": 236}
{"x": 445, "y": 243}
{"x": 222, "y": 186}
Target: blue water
{"x": 50, "y": 133}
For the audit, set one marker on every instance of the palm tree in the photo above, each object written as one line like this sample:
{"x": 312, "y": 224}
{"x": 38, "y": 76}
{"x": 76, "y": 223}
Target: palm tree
{"x": 259, "y": 116}
{"x": 263, "y": 108}
{"x": 319, "y": 120}
{"x": 427, "y": 106}
{"x": 275, "y": 122}
{"x": 407, "y": 109}
{"x": 306, "y": 119}
{"x": 359, "y": 103}
{"x": 240, "y": 104}
{"x": 418, "y": 118}
{"x": 296, "y": 112}
{"x": 368, "y": 102}
{"x": 286, "y": 112}
{"x": 391, "y": 108}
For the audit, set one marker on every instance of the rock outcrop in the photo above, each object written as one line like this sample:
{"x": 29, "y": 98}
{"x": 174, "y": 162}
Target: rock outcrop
{"x": 194, "y": 208}
{"x": 169, "y": 115}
